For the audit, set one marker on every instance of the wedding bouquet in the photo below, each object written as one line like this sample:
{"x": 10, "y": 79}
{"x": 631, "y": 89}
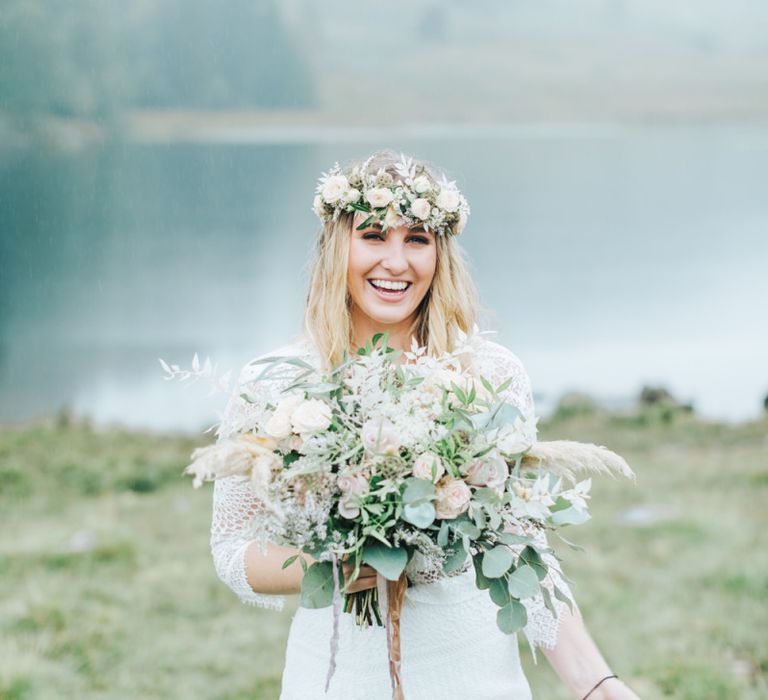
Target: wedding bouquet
{"x": 385, "y": 463}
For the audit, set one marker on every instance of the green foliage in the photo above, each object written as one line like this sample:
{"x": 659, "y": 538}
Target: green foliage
{"x": 317, "y": 586}
{"x": 388, "y": 561}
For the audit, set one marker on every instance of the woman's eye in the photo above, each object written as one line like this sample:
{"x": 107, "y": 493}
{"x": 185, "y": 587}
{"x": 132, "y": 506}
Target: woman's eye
{"x": 372, "y": 236}
{"x": 420, "y": 239}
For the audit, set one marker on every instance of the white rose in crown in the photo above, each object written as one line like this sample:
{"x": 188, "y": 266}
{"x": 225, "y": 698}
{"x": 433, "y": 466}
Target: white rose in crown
{"x": 334, "y": 188}
{"x": 420, "y": 208}
{"x": 311, "y": 416}
{"x": 317, "y": 205}
{"x": 351, "y": 196}
{"x": 379, "y": 197}
{"x": 427, "y": 464}
{"x": 448, "y": 199}
{"x": 421, "y": 184}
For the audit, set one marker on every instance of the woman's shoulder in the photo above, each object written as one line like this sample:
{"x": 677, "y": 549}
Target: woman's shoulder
{"x": 493, "y": 355}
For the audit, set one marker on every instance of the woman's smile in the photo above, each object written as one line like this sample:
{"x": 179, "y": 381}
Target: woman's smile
{"x": 390, "y": 290}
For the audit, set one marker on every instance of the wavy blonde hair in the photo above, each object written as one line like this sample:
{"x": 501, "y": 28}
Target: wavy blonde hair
{"x": 449, "y": 306}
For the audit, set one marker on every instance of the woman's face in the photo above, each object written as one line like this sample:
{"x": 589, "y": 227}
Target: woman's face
{"x": 388, "y": 275}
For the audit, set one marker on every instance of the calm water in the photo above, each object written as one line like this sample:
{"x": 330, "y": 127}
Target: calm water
{"x": 608, "y": 257}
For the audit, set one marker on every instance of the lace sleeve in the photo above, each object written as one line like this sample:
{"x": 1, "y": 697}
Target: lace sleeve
{"x": 498, "y": 364}
{"x": 235, "y": 508}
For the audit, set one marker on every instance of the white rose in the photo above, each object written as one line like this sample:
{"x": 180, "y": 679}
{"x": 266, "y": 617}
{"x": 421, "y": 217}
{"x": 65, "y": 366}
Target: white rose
{"x": 348, "y": 507}
{"x": 420, "y": 208}
{"x": 351, "y": 196}
{"x": 379, "y": 197}
{"x": 334, "y": 187}
{"x": 311, "y": 416}
{"x": 452, "y": 498}
{"x": 448, "y": 199}
{"x": 353, "y": 483}
{"x": 317, "y": 205}
{"x": 427, "y": 463}
{"x": 421, "y": 184}
{"x": 279, "y": 424}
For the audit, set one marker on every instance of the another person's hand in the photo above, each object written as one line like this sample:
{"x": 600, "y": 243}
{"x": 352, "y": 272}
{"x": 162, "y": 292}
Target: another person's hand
{"x": 365, "y": 580}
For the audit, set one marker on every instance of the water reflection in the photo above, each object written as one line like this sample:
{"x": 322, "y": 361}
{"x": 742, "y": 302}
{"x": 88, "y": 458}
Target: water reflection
{"x": 610, "y": 257}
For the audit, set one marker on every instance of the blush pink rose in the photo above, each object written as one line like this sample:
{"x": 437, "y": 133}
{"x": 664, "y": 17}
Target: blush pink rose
{"x": 452, "y": 498}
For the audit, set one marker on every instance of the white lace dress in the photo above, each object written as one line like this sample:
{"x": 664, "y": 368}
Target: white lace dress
{"x": 451, "y": 646}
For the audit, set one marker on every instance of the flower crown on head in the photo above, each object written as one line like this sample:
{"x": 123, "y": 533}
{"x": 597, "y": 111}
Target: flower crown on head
{"x": 413, "y": 198}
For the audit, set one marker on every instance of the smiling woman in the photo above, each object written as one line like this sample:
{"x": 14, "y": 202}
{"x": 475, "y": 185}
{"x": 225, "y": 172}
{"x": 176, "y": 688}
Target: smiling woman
{"x": 387, "y": 261}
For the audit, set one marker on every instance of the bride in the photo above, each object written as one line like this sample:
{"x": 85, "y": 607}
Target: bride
{"x": 400, "y": 272}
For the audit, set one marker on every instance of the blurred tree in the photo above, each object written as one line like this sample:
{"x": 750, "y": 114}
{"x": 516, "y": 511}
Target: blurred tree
{"x": 93, "y": 59}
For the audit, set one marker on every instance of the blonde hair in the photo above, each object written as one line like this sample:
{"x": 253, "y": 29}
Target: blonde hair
{"x": 449, "y": 306}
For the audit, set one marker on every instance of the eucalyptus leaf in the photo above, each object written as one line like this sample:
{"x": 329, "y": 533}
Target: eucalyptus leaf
{"x": 422, "y": 515}
{"x": 510, "y": 538}
{"x": 442, "y": 535}
{"x": 531, "y": 557}
{"x": 499, "y": 592}
{"x": 388, "y": 561}
{"x": 563, "y": 598}
{"x": 417, "y": 490}
{"x": 317, "y": 586}
{"x": 480, "y": 580}
{"x": 570, "y": 516}
{"x": 497, "y": 561}
{"x": 455, "y": 560}
{"x": 548, "y": 602}
{"x": 468, "y": 528}
{"x": 512, "y": 617}
{"x": 523, "y": 582}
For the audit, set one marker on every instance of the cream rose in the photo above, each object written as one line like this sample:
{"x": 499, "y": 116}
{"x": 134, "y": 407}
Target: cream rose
{"x": 427, "y": 463}
{"x": 334, "y": 188}
{"x": 311, "y": 416}
{"x": 420, "y": 208}
{"x": 452, "y": 498}
{"x": 353, "y": 483}
{"x": 317, "y": 205}
{"x": 422, "y": 184}
{"x": 279, "y": 424}
{"x": 489, "y": 471}
{"x": 448, "y": 199}
{"x": 379, "y": 197}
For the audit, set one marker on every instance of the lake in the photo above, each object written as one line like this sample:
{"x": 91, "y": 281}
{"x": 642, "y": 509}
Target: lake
{"x": 607, "y": 257}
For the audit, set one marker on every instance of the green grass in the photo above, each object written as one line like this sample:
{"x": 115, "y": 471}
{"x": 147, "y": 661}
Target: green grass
{"x": 107, "y": 589}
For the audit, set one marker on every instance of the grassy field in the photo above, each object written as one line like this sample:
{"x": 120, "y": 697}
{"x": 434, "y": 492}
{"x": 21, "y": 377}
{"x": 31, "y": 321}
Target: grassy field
{"x": 107, "y": 589}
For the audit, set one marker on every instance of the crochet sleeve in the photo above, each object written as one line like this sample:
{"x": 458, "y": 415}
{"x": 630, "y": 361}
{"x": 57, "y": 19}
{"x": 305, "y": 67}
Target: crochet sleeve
{"x": 499, "y": 364}
{"x": 235, "y": 508}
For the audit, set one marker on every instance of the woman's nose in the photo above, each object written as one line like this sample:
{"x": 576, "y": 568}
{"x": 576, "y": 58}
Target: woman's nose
{"x": 395, "y": 260}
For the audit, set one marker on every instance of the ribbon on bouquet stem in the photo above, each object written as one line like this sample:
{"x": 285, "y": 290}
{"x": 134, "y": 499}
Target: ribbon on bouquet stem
{"x": 391, "y": 595}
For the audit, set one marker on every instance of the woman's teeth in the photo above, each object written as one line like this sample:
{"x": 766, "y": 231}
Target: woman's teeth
{"x": 390, "y": 286}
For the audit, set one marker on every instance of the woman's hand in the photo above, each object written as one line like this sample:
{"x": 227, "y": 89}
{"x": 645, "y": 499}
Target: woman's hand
{"x": 365, "y": 580}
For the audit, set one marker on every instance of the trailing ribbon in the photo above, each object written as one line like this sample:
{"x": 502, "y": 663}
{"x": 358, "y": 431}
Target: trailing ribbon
{"x": 391, "y": 595}
{"x": 336, "y": 616}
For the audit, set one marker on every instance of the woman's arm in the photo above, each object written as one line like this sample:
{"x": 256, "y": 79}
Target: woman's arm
{"x": 579, "y": 663}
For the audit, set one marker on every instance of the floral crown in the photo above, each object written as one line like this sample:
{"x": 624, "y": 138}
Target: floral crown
{"x": 411, "y": 199}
